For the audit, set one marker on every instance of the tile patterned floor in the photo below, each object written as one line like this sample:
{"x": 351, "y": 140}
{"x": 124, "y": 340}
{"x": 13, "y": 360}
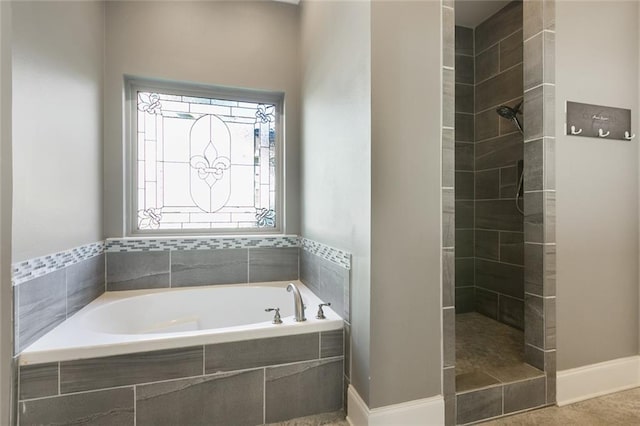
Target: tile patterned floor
{"x": 488, "y": 353}
{"x": 622, "y": 408}
{"x": 326, "y": 419}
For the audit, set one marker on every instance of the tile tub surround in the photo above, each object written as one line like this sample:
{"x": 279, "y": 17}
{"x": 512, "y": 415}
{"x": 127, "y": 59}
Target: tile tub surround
{"x": 42, "y": 303}
{"x": 279, "y": 379}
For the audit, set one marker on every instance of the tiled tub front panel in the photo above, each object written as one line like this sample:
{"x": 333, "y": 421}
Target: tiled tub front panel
{"x": 238, "y": 383}
{"x": 41, "y": 303}
{"x": 133, "y": 270}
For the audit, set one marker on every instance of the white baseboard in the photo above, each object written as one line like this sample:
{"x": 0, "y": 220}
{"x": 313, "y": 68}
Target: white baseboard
{"x": 421, "y": 412}
{"x": 578, "y": 384}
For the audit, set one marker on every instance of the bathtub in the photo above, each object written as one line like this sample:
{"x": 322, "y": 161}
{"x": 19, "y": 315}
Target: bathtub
{"x": 125, "y": 322}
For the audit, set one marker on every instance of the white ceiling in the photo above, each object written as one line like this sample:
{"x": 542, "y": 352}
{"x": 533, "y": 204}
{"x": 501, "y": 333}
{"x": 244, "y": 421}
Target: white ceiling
{"x": 470, "y": 13}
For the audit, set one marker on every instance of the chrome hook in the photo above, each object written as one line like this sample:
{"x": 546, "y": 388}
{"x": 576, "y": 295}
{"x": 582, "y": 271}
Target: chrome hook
{"x": 574, "y": 131}
{"x": 628, "y": 137}
{"x": 602, "y": 134}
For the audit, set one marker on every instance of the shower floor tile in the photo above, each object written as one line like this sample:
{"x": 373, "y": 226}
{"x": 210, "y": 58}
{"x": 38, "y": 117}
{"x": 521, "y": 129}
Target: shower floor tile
{"x": 488, "y": 353}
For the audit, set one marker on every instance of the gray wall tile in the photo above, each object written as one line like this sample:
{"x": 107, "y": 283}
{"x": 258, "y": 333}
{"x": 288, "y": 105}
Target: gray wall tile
{"x": 120, "y": 370}
{"x": 85, "y": 282}
{"x": 478, "y": 405}
{"x": 549, "y": 217}
{"x": 487, "y": 184}
{"x": 273, "y": 264}
{"x": 448, "y": 37}
{"x": 539, "y": 112}
{"x": 498, "y": 214}
{"x": 533, "y": 217}
{"x": 206, "y": 267}
{"x": 533, "y": 18}
{"x": 511, "y": 51}
{"x": 449, "y": 337}
{"x": 533, "y": 321}
{"x": 487, "y": 125}
{"x": 487, "y": 64}
{"x": 533, "y": 270}
{"x": 464, "y": 127}
{"x": 500, "y": 277}
{"x": 260, "y": 352}
{"x": 465, "y": 300}
{"x": 449, "y": 385}
{"x": 38, "y": 380}
{"x": 223, "y": 399}
{"x": 549, "y": 270}
{"x": 329, "y": 281}
{"x": 550, "y": 323}
{"x": 137, "y": 270}
{"x": 503, "y": 151}
{"x": 303, "y": 389}
{"x": 464, "y": 98}
{"x": 499, "y": 89}
{"x": 464, "y": 156}
{"x": 509, "y": 177}
{"x": 463, "y": 215}
{"x": 533, "y": 167}
{"x": 41, "y": 306}
{"x": 534, "y": 356}
{"x": 487, "y": 244}
{"x": 486, "y": 303}
{"x": 504, "y": 22}
{"x": 549, "y": 57}
{"x": 464, "y": 272}
{"x": 448, "y": 277}
{"x": 448, "y": 217}
{"x": 549, "y": 163}
{"x": 108, "y": 407}
{"x": 347, "y": 351}
{"x": 448, "y": 158}
{"x": 464, "y": 69}
{"x": 331, "y": 343}
{"x": 533, "y": 70}
{"x": 464, "y": 40}
{"x": 523, "y": 395}
{"x": 464, "y": 243}
{"x": 512, "y": 247}
{"x": 464, "y": 185}
{"x": 448, "y": 93}
{"x": 511, "y": 312}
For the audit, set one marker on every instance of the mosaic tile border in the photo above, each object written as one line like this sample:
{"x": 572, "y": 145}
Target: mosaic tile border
{"x": 204, "y": 243}
{"x": 331, "y": 254}
{"x": 39, "y": 266}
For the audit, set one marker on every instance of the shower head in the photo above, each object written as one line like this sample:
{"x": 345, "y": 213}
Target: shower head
{"x": 508, "y": 112}
{"x": 511, "y": 114}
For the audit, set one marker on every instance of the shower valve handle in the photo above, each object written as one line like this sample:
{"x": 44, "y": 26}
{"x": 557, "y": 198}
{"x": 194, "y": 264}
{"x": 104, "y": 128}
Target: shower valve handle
{"x": 276, "y": 317}
{"x": 320, "y": 314}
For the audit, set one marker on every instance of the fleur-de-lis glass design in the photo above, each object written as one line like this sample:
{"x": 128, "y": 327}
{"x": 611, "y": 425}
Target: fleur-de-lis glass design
{"x": 266, "y": 113}
{"x": 210, "y": 167}
{"x": 266, "y": 218}
{"x": 149, "y": 218}
{"x": 149, "y": 102}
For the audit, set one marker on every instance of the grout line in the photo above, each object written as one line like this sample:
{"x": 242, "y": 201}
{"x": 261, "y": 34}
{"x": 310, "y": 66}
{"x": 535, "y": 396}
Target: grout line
{"x": 135, "y": 405}
{"x": 494, "y": 44}
{"x": 538, "y": 86}
{"x": 264, "y": 395}
{"x": 499, "y": 73}
{"x": 537, "y": 34}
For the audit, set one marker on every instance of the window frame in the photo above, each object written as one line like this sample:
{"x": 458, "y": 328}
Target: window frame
{"x": 135, "y": 84}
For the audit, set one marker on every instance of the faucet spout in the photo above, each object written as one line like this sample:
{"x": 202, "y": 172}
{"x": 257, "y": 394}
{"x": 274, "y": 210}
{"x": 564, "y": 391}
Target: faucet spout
{"x": 297, "y": 302}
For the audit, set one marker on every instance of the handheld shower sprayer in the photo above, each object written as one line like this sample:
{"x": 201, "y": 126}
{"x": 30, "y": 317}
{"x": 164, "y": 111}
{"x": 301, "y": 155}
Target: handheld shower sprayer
{"x": 512, "y": 114}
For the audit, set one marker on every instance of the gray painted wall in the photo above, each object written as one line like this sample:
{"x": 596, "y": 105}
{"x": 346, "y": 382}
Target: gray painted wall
{"x": 336, "y": 149}
{"x": 6, "y": 299}
{"x": 406, "y": 332}
{"x": 597, "y": 186}
{"x": 235, "y": 44}
{"x": 57, "y": 126}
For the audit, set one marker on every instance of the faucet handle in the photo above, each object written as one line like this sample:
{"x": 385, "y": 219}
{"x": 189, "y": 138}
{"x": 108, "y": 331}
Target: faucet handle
{"x": 320, "y": 314}
{"x": 276, "y": 317}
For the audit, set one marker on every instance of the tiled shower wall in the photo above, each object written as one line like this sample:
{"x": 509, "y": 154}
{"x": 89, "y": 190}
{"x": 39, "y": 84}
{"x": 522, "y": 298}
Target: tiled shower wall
{"x": 464, "y": 169}
{"x": 489, "y": 228}
{"x": 499, "y": 263}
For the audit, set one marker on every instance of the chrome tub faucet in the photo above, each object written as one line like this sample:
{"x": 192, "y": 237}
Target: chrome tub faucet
{"x": 297, "y": 302}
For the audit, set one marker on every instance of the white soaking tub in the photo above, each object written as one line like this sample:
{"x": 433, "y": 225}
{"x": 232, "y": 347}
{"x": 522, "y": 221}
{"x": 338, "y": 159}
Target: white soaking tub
{"x": 123, "y": 322}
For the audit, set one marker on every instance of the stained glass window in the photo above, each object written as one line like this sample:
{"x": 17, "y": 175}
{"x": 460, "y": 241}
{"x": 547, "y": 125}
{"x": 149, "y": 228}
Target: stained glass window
{"x": 204, "y": 163}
